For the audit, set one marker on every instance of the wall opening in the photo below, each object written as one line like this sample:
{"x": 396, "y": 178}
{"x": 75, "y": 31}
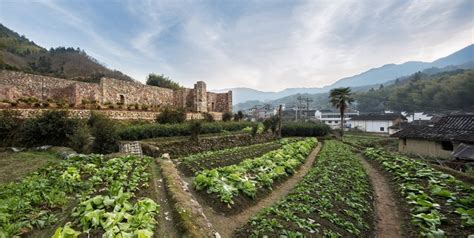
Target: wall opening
{"x": 382, "y": 128}
{"x": 447, "y": 145}
{"x": 212, "y": 107}
{"x": 404, "y": 141}
{"x": 122, "y": 99}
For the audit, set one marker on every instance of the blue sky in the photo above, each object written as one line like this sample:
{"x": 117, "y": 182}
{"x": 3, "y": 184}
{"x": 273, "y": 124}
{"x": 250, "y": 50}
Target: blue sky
{"x": 267, "y": 45}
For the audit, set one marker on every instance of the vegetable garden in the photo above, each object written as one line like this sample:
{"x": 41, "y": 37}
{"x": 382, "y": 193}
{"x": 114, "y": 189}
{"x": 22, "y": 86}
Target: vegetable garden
{"x": 440, "y": 205}
{"x": 264, "y": 186}
{"x": 333, "y": 200}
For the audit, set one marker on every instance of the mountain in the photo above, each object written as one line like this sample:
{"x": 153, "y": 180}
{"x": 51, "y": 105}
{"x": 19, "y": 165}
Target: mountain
{"x": 375, "y": 76}
{"x": 20, "y": 54}
{"x": 370, "y": 98}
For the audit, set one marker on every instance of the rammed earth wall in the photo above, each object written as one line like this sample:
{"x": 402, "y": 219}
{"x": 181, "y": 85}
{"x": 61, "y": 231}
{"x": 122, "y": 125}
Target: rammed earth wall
{"x": 17, "y": 85}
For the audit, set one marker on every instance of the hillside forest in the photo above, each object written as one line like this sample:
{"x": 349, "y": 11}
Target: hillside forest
{"x": 20, "y": 54}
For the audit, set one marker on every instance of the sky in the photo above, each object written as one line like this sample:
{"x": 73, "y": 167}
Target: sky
{"x": 261, "y": 44}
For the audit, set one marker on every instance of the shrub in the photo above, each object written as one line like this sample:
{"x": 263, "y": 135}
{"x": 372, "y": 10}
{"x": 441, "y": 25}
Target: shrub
{"x": 195, "y": 129}
{"x": 239, "y": 116}
{"x": 270, "y": 124}
{"x": 79, "y": 139}
{"x": 105, "y": 136}
{"x": 304, "y": 129}
{"x": 227, "y": 116}
{"x": 254, "y": 129}
{"x": 49, "y": 128}
{"x": 9, "y": 125}
{"x": 145, "y": 131}
{"x": 208, "y": 117}
{"x": 171, "y": 116}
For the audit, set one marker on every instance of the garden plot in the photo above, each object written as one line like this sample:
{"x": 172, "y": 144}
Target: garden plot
{"x": 107, "y": 197}
{"x": 231, "y": 189}
{"x": 334, "y": 199}
{"x": 182, "y": 148}
{"x": 439, "y": 204}
{"x": 213, "y": 159}
{"x": 364, "y": 141}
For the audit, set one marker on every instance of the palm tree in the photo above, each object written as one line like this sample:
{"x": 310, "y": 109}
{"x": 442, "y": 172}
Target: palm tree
{"x": 341, "y": 98}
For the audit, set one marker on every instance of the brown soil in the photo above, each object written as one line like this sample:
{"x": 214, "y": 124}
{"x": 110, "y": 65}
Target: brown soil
{"x": 388, "y": 222}
{"x": 225, "y": 225}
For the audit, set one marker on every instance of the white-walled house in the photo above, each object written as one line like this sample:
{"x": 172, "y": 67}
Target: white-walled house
{"x": 417, "y": 116}
{"x": 333, "y": 118}
{"x": 377, "y": 123}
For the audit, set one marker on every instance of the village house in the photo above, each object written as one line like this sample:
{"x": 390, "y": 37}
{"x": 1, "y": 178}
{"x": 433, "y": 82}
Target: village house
{"x": 376, "y": 123}
{"x": 259, "y": 112}
{"x": 439, "y": 139}
{"x": 332, "y": 118}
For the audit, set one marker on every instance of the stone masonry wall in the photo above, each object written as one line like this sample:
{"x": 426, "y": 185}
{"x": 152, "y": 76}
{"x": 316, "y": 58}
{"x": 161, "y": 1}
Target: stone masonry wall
{"x": 114, "y": 91}
{"x": 114, "y": 114}
{"x": 17, "y": 85}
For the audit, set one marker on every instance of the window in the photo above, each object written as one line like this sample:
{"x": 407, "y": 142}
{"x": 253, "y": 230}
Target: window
{"x": 329, "y": 122}
{"x": 447, "y": 145}
{"x": 404, "y": 141}
{"x": 382, "y": 128}
{"x": 336, "y": 122}
{"x": 122, "y": 99}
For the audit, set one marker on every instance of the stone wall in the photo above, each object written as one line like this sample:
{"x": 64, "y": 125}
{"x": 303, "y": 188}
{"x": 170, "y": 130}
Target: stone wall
{"x": 17, "y": 85}
{"x": 129, "y": 93}
{"x": 114, "y": 114}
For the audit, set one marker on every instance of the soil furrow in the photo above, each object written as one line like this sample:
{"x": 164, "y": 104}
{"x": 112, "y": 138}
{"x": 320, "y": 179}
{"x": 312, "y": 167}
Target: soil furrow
{"x": 388, "y": 223}
{"x": 226, "y": 225}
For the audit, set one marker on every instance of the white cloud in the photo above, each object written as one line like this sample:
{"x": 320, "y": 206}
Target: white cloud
{"x": 272, "y": 45}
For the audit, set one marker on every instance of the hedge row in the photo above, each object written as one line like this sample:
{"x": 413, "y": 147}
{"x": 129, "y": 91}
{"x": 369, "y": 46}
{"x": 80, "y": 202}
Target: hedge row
{"x": 145, "y": 131}
{"x": 304, "y": 129}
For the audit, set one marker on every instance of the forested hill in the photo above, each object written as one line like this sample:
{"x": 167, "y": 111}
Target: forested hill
{"x": 20, "y": 54}
{"x": 451, "y": 90}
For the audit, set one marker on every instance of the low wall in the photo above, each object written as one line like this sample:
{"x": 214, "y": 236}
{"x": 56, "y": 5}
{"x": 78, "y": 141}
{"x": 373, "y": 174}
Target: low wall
{"x": 113, "y": 114}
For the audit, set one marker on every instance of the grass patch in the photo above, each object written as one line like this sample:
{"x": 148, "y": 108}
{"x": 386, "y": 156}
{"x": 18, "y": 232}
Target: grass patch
{"x": 15, "y": 166}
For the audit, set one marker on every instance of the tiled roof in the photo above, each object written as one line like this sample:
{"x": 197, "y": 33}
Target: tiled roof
{"x": 464, "y": 152}
{"x": 377, "y": 117}
{"x": 452, "y": 128}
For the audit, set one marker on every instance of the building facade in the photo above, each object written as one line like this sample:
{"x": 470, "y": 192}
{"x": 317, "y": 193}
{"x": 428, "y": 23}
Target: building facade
{"x": 376, "y": 123}
{"x": 333, "y": 118}
{"x": 17, "y": 85}
{"x": 439, "y": 139}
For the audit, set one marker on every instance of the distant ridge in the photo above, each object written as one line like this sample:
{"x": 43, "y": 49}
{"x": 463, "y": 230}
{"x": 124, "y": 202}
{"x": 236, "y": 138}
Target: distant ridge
{"x": 374, "y": 76}
{"x": 20, "y": 54}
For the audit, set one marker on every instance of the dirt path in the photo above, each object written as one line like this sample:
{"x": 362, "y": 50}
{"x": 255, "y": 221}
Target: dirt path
{"x": 166, "y": 224}
{"x": 387, "y": 216}
{"x": 225, "y": 225}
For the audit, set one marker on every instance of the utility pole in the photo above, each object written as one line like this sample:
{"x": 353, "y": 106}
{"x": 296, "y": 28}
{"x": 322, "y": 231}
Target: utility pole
{"x": 279, "y": 122}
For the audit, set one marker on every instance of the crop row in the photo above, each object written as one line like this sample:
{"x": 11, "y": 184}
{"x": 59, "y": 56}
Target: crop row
{"x": 213, "y": 159}
{"x": 251, "y": 174}
{"x": 36, "y": 201}
{"x": 440, "y": 204}
{"x": 112, "y": 208}
{"x": 32, "y": 203}
{"x": 333, "y": 200}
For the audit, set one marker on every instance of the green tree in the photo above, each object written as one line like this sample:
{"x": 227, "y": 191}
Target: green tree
{"x": 162, "y": 81}
{"x": 341, "y": 98}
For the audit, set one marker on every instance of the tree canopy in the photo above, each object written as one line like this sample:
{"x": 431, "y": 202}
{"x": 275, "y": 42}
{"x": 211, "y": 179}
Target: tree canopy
{"x": 450, "y": 90}
{"x": 162, "y": 81}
